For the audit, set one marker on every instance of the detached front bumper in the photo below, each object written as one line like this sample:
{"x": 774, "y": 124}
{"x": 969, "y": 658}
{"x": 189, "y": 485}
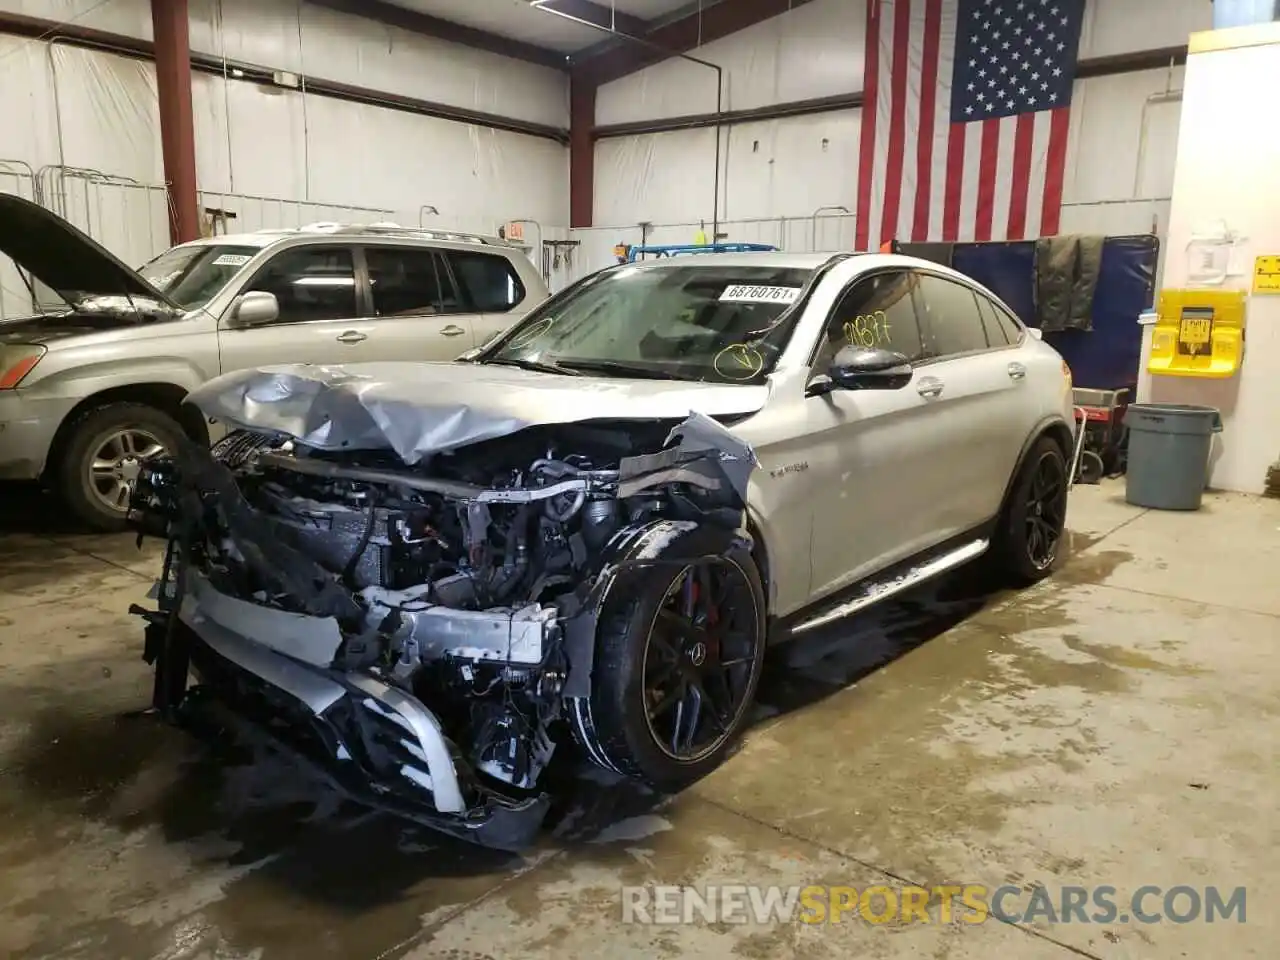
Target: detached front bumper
{"x": 373, "y": 741}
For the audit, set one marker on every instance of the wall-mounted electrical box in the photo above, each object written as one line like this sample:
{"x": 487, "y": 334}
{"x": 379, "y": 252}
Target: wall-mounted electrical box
{"x": 1198, "y": 333}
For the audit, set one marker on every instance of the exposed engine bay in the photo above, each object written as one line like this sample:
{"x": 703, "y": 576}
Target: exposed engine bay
{"x": 431, "y": 626}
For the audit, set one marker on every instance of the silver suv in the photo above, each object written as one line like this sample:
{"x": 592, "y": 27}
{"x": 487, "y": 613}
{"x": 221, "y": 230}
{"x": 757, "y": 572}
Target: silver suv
{"x": 89, "y": 390}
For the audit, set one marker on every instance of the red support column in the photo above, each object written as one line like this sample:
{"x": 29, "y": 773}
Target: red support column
{"x": 177, "y": 126}
{"x": 582, "y": 151}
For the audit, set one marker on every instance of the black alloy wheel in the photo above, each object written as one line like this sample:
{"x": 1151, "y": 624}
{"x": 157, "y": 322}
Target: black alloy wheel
{"x": 700, "y": 659}
{"x": 1046, "y": 509}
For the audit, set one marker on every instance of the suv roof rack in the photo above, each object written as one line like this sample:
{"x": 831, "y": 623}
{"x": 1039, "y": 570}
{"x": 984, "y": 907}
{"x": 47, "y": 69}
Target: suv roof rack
{"x": 385, "y": 229}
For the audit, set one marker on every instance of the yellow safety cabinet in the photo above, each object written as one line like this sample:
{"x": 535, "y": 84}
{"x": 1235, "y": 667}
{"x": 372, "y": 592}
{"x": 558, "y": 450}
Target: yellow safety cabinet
{"x": 1198, "y": 333}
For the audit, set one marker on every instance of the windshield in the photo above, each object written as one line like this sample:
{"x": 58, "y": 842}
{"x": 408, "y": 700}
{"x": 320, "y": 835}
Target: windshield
{"x": 726, "y": 324}
{"x": 192, "y": 276}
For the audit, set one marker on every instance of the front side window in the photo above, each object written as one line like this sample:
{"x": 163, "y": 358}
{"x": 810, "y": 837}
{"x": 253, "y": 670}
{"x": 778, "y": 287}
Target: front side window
{"x": 408, "y": 282}
{"x": 713, "y": 322}
{"x": 491, "y": 282}
{"x": 191, "y": 276}
{"x": 952, "y": 321}
{"x": 876, "y": 311}
{"x": 311, "y": 283}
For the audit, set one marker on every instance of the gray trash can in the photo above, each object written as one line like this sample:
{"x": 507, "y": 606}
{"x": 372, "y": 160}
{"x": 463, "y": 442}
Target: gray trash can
{"x": 1169, "y": 447}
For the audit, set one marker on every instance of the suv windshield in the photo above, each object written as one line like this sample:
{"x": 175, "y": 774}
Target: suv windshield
{"x": 192, "y": 276}
{"x": 697, "y": 322}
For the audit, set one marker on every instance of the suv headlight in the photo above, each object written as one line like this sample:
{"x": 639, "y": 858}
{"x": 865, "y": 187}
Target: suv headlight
{"x": 17, "y": 361}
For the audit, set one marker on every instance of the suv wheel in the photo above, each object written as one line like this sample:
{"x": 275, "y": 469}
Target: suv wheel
{"x": 100, "y": 462}
{"x": 678, "y": 658}
{"x": 1030, "y": 537}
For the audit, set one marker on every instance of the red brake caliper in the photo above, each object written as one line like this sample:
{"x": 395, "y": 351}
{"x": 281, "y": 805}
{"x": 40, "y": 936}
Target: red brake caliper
{"x": 713, "y": 617}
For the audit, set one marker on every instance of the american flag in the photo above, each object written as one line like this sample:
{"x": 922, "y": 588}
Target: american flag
{"x": 966, "y": 112}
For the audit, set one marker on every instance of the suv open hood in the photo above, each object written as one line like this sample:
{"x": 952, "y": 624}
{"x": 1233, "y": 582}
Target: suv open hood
{"x": 63, "y": 258}
{"x": 417, "y": 409}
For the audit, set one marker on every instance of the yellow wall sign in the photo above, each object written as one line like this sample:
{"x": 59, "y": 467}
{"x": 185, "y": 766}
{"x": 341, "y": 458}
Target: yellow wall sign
{"x": 1266, "y": 274}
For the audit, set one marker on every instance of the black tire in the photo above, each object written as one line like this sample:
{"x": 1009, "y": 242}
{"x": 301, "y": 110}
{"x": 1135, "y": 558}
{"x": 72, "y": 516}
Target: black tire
{"x": 617, "y": 727}
{"x": 1015, "y": 547}
{"x": 86, "y": 437}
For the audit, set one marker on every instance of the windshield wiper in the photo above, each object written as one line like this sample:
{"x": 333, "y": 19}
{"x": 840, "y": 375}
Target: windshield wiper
{"x": 536, "y": 365}
{"x": 622, "y": 369}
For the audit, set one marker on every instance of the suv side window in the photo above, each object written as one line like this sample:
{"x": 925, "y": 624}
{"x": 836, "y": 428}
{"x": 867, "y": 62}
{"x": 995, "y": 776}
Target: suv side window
{"x": 954, "y": 324}
{"x": 409, "y": 281}
{"x": 490, "y": 282}
{"x": 996, "y": 318}
{"x": 311, "y": 283}
{"x": 877, "y": 311}
{"x": 996, "y": 335}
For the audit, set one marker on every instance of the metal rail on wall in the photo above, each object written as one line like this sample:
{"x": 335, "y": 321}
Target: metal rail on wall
{"x": 53, "y": 188}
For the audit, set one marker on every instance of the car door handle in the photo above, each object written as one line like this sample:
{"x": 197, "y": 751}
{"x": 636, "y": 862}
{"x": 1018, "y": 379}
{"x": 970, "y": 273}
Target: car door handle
{"x": 929, "y": 387}
{"x": 351, "y": 336}
{"x": 1017, "y": 371}
{"x": 452, "y": 330}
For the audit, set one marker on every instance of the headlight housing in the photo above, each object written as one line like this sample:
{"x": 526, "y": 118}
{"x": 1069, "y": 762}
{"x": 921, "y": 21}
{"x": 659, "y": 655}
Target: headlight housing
{"x": 16, "y": 361}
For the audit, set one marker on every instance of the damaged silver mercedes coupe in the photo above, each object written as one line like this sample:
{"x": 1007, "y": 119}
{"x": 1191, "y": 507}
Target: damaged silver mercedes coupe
{"x": 430, "y": 577}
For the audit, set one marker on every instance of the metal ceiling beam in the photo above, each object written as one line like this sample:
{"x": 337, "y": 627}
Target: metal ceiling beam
{"x": 429, "y": 26}
{"x": 713, "y": 22}
{"x": 596, "y": 13}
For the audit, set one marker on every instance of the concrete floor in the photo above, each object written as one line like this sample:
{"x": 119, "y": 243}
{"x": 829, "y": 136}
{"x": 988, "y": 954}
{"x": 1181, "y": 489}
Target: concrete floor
{"x": 1117, "y": 725}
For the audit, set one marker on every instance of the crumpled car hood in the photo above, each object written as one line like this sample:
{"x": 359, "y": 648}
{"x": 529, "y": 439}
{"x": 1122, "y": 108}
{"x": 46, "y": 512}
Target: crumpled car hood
{"x": 417, "y": 409}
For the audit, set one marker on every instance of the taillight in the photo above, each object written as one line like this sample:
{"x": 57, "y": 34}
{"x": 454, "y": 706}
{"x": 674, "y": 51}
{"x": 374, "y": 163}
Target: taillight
{"x": 16, "y": 363}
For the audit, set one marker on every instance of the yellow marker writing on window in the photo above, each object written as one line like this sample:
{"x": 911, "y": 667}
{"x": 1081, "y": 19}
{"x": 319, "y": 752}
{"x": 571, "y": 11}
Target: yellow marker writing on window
{"x": 739, "y": 361}
{"x": 868, "y": 330}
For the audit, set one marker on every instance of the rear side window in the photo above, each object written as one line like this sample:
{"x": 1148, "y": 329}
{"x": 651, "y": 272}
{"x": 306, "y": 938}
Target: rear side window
{"x": 490, "y": 283}
{"x": 953, "y": 323}
{"x": 1001, "y": 327}
{"x": 410, "y": 281}
{"x": 877, "y": 311}
{"x": 311, "y": 283}
{"x": 996, "y": 335}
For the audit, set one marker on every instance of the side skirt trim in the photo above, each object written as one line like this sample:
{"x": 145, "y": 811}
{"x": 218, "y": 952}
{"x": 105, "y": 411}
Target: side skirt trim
{"x": 874, "y": 591}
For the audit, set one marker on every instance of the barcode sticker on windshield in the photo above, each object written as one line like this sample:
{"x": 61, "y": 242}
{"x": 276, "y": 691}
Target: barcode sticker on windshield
{"x": 751, "y": 293}
{"x": 232, "y": 260}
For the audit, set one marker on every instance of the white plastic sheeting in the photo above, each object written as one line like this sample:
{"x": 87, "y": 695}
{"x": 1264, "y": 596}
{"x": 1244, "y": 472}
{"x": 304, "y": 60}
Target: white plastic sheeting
{"x": 301, "y": 38}
{"x": 129, "y": 17}
{"x": 1123, "y": 26}
{"x": 768, "y": 169}
{"x": 815, "y": 50}
{"x": 334, "y": 151}
{"x": 83, "y": 128}
{"x": 364, "y": 53}
{"x": 90, "y": 110}
{"x": 1120, "y": 157}
{"x": 15, "y": 300}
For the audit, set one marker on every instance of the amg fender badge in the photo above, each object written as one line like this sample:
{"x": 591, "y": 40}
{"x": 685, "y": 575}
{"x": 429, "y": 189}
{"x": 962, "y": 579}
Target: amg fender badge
{"x": 782, "y": 471}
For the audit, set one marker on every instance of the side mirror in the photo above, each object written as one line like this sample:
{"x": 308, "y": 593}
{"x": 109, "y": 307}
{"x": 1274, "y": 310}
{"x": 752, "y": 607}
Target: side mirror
{"x": 255, "y": 308}
{"x": 863, "y": 368}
